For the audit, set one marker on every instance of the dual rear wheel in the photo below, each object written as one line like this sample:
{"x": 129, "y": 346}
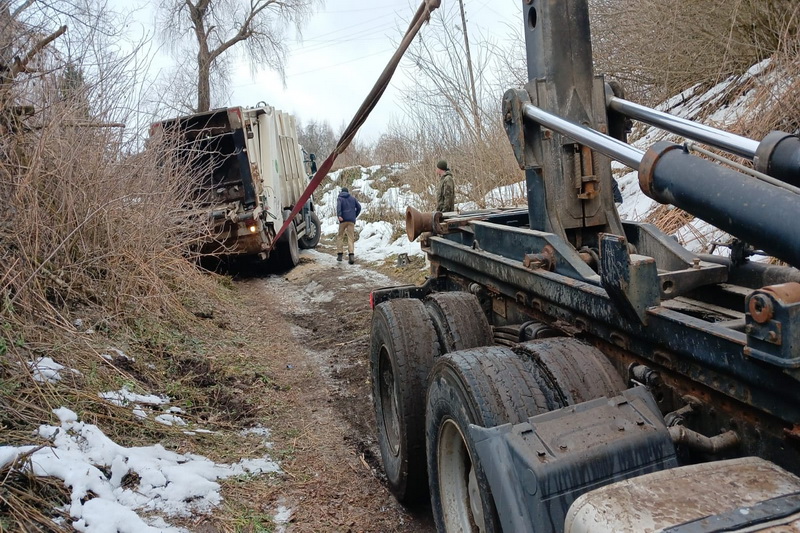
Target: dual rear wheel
{"x": 407, "y": 336}
{"x": 435, "y": 372}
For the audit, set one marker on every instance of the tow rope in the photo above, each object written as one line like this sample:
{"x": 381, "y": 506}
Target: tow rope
{"x": 422, "y": 15}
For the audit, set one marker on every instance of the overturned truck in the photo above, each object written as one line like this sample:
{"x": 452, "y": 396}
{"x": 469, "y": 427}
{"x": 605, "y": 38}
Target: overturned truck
{"x": 565, "y": 370}
{"x": 246, "y": 171}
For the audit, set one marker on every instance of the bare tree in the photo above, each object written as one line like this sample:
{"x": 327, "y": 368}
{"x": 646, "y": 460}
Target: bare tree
{"x": 317, "y": 138}
{"x": 451, "y": 110}
{"x": 216, "y": 27}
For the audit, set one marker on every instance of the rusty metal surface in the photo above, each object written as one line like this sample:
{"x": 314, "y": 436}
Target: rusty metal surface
{"x": 676, "y": 496}
{"x": 545, "y": 259}
{"x": 701, "y": 351}
{"x": 760, "y": 308}
{"x": 648, "y": 166}
{"x": 788, "y": 293}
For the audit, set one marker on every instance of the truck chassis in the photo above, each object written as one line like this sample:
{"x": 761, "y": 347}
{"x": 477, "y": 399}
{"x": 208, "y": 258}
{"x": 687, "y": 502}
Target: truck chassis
{"x": 555, "y": 350}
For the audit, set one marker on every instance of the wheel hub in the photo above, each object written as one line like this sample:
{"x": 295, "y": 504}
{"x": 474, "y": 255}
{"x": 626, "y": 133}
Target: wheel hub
{"x": 390, "y": 408}
{"x": 458, "y": 484}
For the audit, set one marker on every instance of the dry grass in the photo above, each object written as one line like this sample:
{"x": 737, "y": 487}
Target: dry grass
{"x": 657, "y": 50}
{"x": 93, "y": 254}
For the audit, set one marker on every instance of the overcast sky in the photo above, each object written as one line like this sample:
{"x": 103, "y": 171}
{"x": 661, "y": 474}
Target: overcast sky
{"x": 344, "y": 48}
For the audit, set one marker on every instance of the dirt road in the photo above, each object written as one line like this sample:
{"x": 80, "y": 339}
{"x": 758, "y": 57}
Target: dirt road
{"x": 321, "y": 409}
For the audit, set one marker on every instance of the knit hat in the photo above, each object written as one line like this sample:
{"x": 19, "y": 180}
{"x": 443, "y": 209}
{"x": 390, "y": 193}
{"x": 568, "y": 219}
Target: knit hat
{"x": 442, "y": 164}
{"x": 345, "y": 189}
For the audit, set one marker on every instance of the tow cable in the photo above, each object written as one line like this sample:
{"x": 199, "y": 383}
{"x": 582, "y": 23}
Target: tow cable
{"x": 422, "y": 15}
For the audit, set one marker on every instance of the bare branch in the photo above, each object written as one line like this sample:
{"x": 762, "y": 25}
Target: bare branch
{"x": 20, "y": 65}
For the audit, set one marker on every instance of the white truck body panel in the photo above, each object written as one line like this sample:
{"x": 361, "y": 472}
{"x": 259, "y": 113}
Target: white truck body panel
{"x": 275, "y": 157}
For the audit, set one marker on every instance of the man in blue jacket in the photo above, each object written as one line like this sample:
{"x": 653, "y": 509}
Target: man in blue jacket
{"x": 347, "y": 209}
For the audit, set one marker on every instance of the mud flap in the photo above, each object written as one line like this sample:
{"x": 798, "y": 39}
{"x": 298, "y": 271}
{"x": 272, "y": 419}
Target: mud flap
{"x": 536, "y": 469}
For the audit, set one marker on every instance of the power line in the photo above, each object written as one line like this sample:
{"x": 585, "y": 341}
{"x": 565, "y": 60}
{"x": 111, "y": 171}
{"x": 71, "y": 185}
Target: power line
{"x": 340, "y": 64}
{"x": 323, "y": 67}
{"x": 348, "y": 29}
{"x": 320, "y": 45}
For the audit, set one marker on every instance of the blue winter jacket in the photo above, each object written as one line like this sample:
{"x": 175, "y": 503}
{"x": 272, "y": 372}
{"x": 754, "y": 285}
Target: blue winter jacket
{"x": 347, "y": 207}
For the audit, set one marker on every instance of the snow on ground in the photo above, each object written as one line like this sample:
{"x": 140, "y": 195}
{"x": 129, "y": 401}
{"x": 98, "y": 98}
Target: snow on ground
{"x": 45, "y": 370}
{"x": 385, "y": 238}
{"x": 377, "y": 240}
{"x": 112, "y": 486}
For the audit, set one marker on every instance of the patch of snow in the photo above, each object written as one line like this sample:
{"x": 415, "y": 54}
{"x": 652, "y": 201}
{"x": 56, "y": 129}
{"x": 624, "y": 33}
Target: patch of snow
{"x": 8, "y": 454}
{"x": 170, "y": 420}
{"x": 316, "y": 293}
{"x": 282, "y": 516}
{"x": 507, "y": 195}
{"x": 89, "y": 463}
{"x": 45, "y": 370}
{"x": 119, "y": 355}
{"x": 261, "y": 431}
{"x": 376, "y": 242}
{"x": 124, "y": 397}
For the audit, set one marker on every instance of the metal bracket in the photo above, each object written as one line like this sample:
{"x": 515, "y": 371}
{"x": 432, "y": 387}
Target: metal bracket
{"x": 773, "y": 333}
{"x": 631, "y": 280}
{"x": 517, "y": 130}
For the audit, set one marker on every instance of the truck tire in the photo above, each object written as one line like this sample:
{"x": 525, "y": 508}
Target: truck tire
{"x": 572, "y": 370}
{"x": 286, "y": 254}
{"x": 486, "y": 386}
{"x": 402, "y": 351}
{"x": 313, "y": 233}
{"x": 459, "y": 321}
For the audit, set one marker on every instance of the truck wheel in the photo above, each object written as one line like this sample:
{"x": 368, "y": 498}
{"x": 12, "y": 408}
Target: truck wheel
{"x": 286, "y": 254}
{"x": 572, "y": 370}
{"x": 485, "y": 386}
{"x": 402, "y": 351}
{"x": 313, "y": 233}
{"x": 459, "y": 321}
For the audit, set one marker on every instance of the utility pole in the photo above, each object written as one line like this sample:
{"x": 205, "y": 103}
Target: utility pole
{"x": 475, "y": 113}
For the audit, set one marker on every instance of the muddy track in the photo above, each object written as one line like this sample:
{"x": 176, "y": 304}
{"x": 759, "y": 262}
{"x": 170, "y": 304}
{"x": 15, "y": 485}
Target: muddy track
{"x": 326, "y": 397}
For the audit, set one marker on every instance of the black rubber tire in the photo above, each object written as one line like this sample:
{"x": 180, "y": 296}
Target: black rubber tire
{"x": 313, "y": 233}
{"x": 402, "y": 350}
{"x": 286, "y": 254}
{"x": 486, "y": 386}
{"x": 459, "y": 321}
{"x": 572, "y": 370}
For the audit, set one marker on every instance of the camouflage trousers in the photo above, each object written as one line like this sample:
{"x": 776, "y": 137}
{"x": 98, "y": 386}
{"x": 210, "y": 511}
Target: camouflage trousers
{"x": 346, "y": 228}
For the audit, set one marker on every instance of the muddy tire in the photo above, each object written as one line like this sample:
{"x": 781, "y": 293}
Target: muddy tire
{"x": 313, "y": 233}
{"x": 572, "y": 370}
{"x": 459, "y": 321}
{"x": 286, "y": 254}
{"x": 402, "y": 351}
{"x": 485, "y": 386}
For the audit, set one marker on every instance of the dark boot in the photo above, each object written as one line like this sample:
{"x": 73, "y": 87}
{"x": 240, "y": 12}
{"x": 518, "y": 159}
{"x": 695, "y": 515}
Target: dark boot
{"x": 339, "y": 256}
{"x": 351, "y": 259}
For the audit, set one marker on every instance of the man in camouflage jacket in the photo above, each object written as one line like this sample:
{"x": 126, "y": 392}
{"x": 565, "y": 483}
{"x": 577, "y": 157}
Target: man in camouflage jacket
{"x": 446, "y": 190}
